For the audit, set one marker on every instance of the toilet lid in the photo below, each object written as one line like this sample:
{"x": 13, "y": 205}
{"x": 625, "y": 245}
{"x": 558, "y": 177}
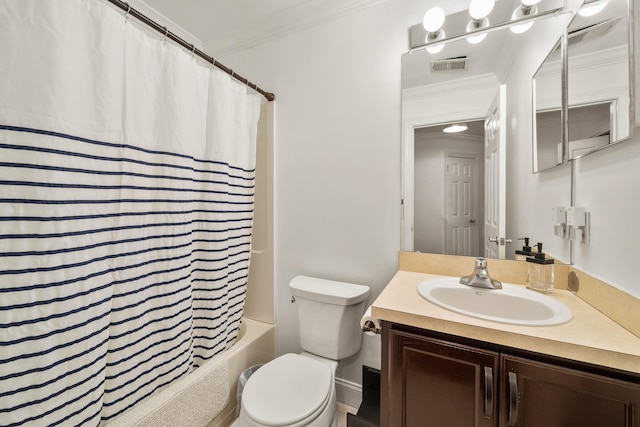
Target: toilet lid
{"x": 287, "y": 390}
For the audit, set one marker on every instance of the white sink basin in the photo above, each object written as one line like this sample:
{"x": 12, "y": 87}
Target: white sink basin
{"x": 512, "y": 304}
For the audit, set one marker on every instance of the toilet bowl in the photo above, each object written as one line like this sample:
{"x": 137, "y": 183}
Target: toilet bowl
{"x": 292, "y": 390}
{"x": 296, "y": 390}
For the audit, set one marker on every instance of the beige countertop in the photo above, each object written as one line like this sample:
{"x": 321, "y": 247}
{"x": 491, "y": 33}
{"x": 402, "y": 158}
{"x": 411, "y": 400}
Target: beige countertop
{"x": 589, "y": 337}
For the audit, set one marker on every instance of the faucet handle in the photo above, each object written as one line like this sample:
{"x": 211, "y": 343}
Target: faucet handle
{"x": 481, "y": 262}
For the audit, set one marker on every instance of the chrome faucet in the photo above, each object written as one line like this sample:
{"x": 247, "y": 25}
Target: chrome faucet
{"x": 480, "y": 277}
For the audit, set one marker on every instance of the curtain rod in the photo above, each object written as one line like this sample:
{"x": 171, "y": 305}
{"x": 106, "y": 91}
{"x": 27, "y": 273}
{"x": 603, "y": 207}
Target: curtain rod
{"x": 129, "y": 11}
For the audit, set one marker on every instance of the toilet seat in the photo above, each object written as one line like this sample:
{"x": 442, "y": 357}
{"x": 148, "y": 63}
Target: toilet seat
{"x": 289, "y": 390}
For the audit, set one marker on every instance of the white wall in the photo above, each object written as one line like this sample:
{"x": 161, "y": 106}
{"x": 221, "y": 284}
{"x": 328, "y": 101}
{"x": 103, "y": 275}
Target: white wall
{"x": 607, "y": 186}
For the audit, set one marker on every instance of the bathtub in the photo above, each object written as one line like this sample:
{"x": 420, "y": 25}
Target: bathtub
{"x": 180, "y": 400}
{"x": 255, "y": 344}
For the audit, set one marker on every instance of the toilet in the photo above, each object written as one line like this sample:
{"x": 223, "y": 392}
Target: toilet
{"x": 297, "y": 390}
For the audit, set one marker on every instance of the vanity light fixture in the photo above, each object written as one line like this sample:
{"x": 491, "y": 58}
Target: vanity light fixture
{"x": 430, "y": 34}
{"x": 432, "y": 22}
{"x": 479, "y": 9}
{"x": 527, "y": 8}
{"x": 593, "y": 7}
{"x": 455, "y": 128}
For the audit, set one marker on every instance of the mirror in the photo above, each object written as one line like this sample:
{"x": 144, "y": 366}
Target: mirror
{"x": 547, "y": 120}
{"x": 599, "y": 108}
{"x": 458, "y": 84}
{"x": 454, "y": 85}
{"x": 599, "y": 91}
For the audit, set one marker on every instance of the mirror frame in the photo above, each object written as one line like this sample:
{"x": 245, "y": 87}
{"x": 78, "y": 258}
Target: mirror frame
{"x": 563, "y": 103}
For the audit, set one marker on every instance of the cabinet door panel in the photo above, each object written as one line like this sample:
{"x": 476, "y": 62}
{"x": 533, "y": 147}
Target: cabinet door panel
{"x": 551, "y": 396}
{"x": 441, "y": 384}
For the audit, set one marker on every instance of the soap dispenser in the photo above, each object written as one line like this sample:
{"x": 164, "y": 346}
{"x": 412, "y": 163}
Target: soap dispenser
{"x": 540, "y": 272}
{"x": 525, "y": 252}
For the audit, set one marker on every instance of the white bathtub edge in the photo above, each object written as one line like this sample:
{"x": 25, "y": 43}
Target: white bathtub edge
{"x": 256, "y": 345}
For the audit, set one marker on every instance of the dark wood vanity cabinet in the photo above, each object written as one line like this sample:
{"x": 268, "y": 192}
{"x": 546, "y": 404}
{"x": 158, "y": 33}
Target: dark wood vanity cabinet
{"x": 541, "y": 394}
{"x": 431, "y": 382}
{"x": 428, "y": 379}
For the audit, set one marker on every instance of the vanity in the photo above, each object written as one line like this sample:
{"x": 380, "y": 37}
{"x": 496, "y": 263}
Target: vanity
{"x": 443, "y": 368}
{"x": 523, "y": 176}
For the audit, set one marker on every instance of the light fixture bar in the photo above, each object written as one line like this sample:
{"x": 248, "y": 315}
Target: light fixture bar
{"x": 495, "y": 27}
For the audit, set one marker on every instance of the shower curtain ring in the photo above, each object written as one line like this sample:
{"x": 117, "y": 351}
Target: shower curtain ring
{"x": 193, "y": 50}
{"x": 166, "y": 32}
{"x": 126, "y": 15}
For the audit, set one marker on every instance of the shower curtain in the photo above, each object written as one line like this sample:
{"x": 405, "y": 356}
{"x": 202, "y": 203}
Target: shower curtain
{"x": 126, "y": 207}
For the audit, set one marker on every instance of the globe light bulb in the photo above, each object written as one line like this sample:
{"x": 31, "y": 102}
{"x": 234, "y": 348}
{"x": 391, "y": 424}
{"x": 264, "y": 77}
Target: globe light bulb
{"x": 479, "y": 9}
{"x": 433, "y": 19}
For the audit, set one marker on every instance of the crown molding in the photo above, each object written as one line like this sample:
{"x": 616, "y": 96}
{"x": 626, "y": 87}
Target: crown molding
{"x": 297, "y": 18}
{"x": 487, "y": 80}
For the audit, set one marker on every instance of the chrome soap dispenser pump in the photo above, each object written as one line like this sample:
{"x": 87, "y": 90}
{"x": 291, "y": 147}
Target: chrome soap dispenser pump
{"x": 540, "y": 272}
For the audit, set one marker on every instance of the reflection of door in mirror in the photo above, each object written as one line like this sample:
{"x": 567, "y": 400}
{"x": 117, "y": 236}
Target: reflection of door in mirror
{"x": 461, "y": 183}
{"x": 495, "y": 177}
{"x": 448, "y": 191}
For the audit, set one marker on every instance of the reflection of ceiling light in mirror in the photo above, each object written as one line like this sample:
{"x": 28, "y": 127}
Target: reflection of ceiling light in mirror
{"x": 479, "y": 9}
{"x": 455, "y": 128}
{"x": 474, "y": 25}
{"x": 432, "y": 37}
{"x": 433, "y": 19}
{"x": 435, "y": 49}
{"x": 593, "y": 8}
{"x": 528, "y": 8}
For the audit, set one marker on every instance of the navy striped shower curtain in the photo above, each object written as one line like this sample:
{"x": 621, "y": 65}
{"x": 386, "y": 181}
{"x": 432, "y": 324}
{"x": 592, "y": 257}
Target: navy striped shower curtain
{"x": 126, "y": 207}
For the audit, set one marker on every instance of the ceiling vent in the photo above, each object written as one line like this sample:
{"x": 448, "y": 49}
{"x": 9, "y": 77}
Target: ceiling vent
{"x": 458, "y": 63}
{"x": 592, "y": 31}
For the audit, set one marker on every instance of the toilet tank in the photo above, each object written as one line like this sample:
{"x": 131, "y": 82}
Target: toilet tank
{"x": 329, "y": 315}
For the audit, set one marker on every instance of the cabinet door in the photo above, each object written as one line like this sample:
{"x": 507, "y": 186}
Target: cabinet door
{"x": 537, "y": 394}
{"x": 436, "y": 383}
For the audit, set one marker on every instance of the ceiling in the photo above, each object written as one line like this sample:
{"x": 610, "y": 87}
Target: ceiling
{"x": 224, "y": 26}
